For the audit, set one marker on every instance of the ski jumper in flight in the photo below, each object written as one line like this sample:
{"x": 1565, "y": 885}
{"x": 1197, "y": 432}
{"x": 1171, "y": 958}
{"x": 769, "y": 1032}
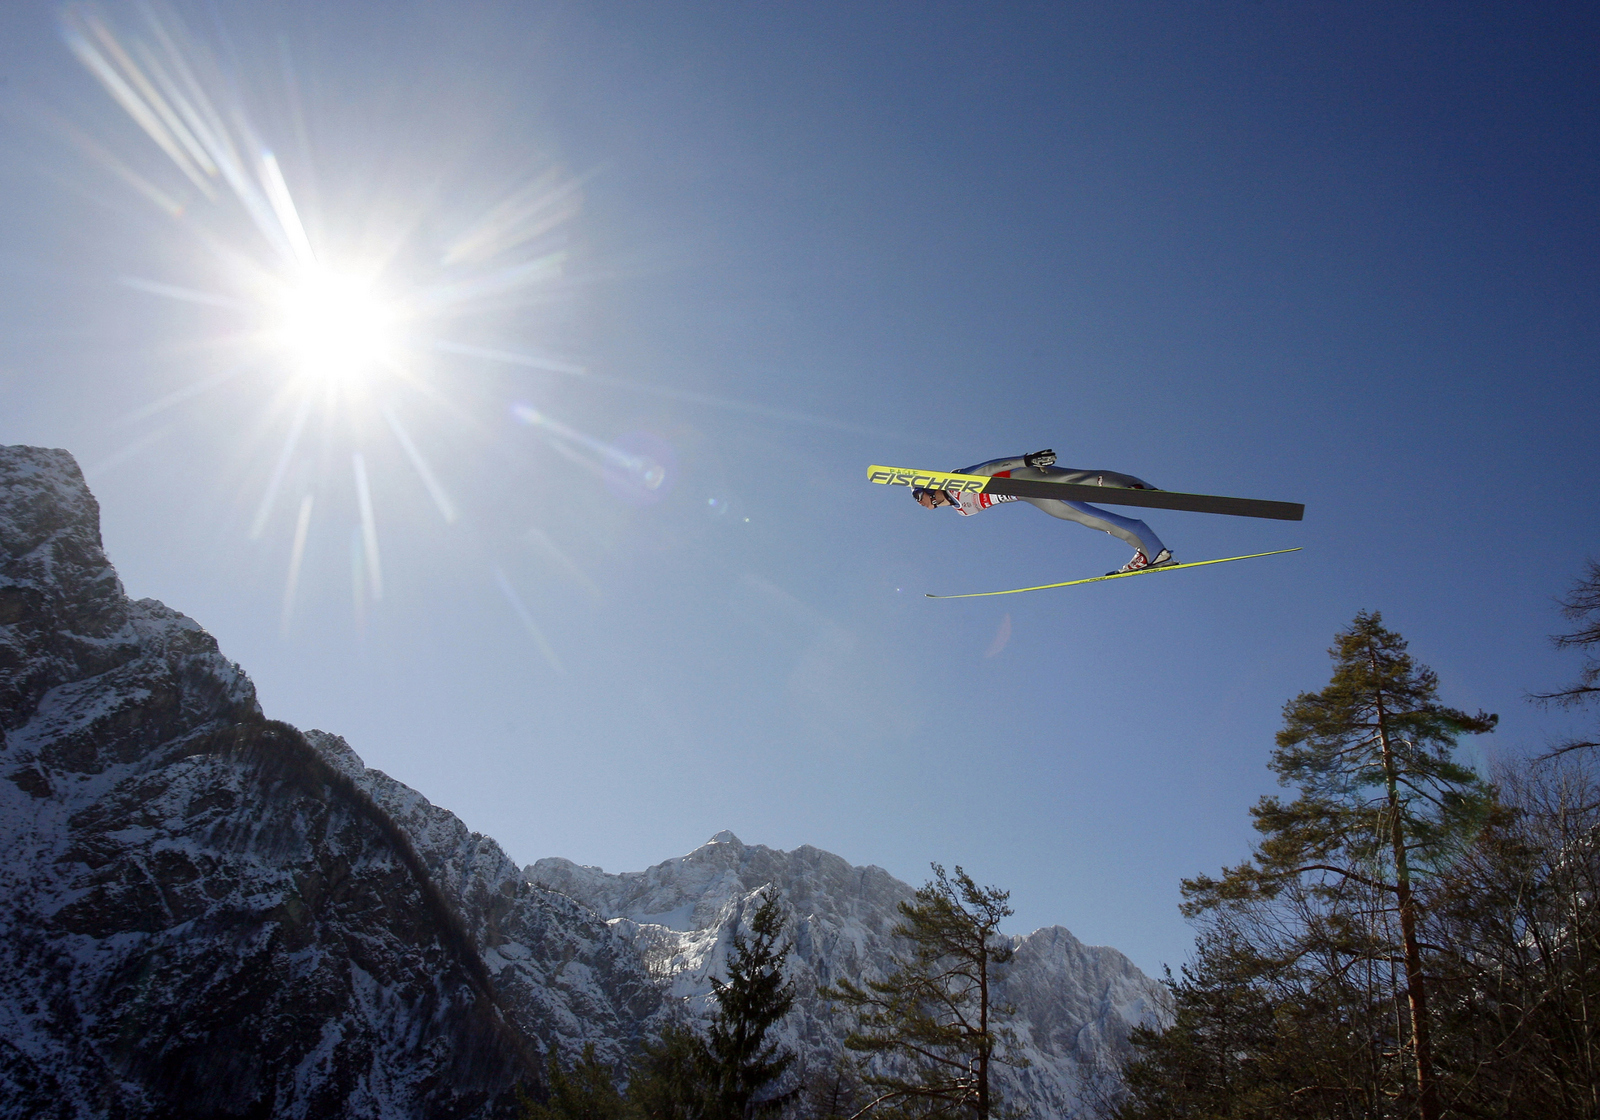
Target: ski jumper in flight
{"x": 1148, "y": 551}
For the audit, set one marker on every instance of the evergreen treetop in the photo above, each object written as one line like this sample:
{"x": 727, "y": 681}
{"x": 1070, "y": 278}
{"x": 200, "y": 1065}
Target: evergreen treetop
{"x": 1370, "y": 754}
{"x": 751, "y": 1002}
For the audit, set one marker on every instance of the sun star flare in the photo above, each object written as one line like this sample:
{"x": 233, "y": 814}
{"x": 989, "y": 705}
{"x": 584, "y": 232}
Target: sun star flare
{"x": 334, "y": 327}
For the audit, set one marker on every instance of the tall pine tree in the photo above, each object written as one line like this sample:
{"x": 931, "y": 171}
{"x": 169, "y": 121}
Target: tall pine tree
{"x": 755, "y": 997}
{"x": 1324, "y": 923}
{"x": 934, "y": 1023}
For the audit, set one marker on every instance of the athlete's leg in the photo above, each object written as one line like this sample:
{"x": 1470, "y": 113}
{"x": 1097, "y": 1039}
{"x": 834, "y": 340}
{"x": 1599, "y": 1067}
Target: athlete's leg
{"x": 1131, "y": 530}
{"x": 1136, "y": 533}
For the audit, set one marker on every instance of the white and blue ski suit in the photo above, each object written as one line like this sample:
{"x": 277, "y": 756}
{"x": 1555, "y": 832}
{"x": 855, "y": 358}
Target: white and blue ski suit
{"x": 1135, "y": 533}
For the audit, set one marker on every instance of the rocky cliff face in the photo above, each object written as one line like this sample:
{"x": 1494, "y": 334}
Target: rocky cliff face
{"x": 207, "y": 913}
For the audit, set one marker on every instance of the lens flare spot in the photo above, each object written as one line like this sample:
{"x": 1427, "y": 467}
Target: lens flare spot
{"x": 1002, "y": 636}
{"x": 642, "y": 468}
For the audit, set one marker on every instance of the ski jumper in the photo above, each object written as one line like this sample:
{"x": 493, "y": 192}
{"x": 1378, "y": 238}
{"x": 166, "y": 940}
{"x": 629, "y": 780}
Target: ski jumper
{"x": 1135, "y": 533}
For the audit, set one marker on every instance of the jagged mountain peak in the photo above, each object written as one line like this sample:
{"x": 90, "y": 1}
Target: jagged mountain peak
{"x": 75, "y": 652}
{"x": 691, "y": 891}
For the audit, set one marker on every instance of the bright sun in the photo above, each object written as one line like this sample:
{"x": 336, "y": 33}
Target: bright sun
{"x": 335, "y": 328}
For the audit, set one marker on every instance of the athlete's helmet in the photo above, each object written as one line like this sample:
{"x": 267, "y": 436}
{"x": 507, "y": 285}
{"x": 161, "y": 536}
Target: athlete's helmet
{"x": 938, "y": 496}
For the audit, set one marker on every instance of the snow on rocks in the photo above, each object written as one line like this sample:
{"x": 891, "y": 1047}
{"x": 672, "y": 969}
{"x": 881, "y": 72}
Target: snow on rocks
{"x": 209, "y": 915}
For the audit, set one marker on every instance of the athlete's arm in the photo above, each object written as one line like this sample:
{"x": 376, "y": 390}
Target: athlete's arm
{"x": 995, "y": 466}
{"x": 1034, "y": 460}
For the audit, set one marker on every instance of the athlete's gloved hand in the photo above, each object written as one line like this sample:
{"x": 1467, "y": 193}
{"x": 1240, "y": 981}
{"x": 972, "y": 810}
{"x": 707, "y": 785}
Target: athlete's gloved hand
{"x": 1040, "y": 458}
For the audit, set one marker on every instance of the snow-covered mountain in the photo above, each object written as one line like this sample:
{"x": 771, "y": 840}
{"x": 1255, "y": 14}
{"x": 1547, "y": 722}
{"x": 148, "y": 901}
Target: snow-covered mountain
{"x": 1075, "y": 1003}
{"x": 209, "y": 913}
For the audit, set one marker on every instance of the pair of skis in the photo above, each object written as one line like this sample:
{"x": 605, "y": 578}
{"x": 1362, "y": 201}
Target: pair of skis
{"x": 1106, "y": 495}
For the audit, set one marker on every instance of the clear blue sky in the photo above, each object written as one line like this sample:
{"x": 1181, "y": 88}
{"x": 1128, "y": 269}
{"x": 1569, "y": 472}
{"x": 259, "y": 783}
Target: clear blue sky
{"x": 1343, "y": 254}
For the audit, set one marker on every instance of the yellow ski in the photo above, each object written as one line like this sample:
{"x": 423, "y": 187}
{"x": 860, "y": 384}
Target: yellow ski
{"x": 1114, "y": 575}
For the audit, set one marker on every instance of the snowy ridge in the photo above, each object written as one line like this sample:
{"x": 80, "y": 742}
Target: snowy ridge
{"x": 210, "y": 913}
{"x": 1075, "y": 1003}
{"x": 563, "y": 975}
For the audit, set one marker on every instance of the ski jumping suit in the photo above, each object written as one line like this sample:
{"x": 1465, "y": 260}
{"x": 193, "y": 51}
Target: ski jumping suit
{"x": 1135, "y": 533}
